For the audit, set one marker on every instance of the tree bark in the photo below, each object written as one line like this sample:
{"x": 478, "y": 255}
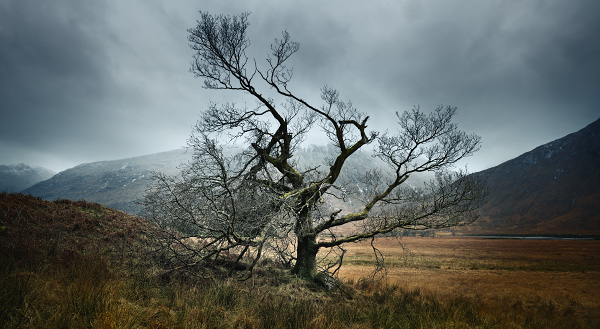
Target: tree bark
{"x": 306, "y": 261}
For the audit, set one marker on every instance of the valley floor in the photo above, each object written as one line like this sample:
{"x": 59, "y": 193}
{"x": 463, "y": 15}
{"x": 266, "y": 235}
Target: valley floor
{"x": 502, "y": 273}
{"x": 68, "y": 264}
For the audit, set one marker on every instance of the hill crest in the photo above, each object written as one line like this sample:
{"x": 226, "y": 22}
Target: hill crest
{"x": 36, "y": 228}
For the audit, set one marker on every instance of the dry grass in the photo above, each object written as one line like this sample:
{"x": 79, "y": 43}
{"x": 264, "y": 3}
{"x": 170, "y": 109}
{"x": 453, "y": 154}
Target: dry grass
{"x": 97, "y": 278}
{"x": 498, "y": 274}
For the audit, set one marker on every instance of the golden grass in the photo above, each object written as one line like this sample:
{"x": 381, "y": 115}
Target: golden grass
{"x": 100, "y": 276}
{"x": 499, "y": 273}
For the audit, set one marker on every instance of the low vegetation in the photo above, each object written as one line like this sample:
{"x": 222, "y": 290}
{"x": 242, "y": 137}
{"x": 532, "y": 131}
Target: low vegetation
{"x": 80, "y": 265}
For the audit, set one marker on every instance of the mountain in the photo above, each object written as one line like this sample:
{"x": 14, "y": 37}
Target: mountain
{"x": 15, "y": 178}
{"x": 118, "y": 184}
{"x": 553, "y": 189}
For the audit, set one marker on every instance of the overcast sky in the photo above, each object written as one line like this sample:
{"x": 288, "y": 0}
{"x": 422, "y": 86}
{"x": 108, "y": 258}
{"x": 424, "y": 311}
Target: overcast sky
{"x": 84, "y": 81}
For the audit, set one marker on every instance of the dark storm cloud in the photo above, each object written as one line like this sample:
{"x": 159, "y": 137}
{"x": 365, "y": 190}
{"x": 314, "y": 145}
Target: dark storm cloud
{"x": 81, "y": 81}
{"x": 51, "y": 70}
{"x": 92, "y": 80}
{"x": 521, "y": 72}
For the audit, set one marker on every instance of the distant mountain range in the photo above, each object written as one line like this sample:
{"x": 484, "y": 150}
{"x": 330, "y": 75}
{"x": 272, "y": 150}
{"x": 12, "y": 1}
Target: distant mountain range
{"x": 553, "y": 189}
{"x": 118, "y": 184}
{"x": 15, "y": 178}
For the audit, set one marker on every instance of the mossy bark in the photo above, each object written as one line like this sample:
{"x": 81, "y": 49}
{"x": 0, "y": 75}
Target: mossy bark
{"x": 306, "y": 262}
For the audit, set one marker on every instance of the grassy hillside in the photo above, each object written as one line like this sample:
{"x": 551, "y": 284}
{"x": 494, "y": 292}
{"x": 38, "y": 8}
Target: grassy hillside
{"x": 553, "y": 189}
{"x": 80, "y": 265}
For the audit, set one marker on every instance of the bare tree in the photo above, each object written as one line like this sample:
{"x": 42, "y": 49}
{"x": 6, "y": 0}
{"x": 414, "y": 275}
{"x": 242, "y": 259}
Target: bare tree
{"x": 259, "y": 198}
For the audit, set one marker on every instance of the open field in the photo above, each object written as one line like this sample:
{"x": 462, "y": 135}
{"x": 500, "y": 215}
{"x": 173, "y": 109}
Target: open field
{"x": 80, "y": 265}
{"x": 564, "y": 274}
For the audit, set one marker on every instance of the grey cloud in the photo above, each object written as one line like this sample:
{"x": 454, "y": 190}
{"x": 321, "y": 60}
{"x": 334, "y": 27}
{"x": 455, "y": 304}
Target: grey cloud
{"x": 51, "y": 68}
{"x": 86, "y": 81}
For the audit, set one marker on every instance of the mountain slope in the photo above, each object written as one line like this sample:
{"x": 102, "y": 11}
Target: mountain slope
{"x": 15, "y": 178}
{"x": 116, "y": 184}
{"x": 553, "y": 189}
{"x": 120, "y": 184}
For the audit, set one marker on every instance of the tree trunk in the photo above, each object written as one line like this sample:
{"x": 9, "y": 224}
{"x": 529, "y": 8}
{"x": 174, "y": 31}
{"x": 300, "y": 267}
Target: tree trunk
{"x": 306, "y": 262}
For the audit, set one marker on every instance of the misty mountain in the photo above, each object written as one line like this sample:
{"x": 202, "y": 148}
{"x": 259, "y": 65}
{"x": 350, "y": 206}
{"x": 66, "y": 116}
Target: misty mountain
{"x": 120, "y": 184}
{"x": 15, "y": 178}
{"x": 553, "y": 189}
{"x": 117, "y": 184}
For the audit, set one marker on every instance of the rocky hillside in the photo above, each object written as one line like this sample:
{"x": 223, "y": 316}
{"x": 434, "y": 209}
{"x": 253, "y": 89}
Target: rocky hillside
{"x": 15, "y": 178}
{"x": 553, "y": 189}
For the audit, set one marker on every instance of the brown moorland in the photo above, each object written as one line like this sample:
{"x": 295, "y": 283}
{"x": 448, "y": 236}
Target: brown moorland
{"x": 69, "y": 264}
{"x": 499, "y": 273}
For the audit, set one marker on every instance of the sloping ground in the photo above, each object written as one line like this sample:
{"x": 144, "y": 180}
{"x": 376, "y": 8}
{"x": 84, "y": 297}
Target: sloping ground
{"x": 90, "y": 279}
{"x": 32, "y": 228}
{"x": 117, "y": 184}
{"x": 553, "y": 189}
{"x": 121, "y": 184}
